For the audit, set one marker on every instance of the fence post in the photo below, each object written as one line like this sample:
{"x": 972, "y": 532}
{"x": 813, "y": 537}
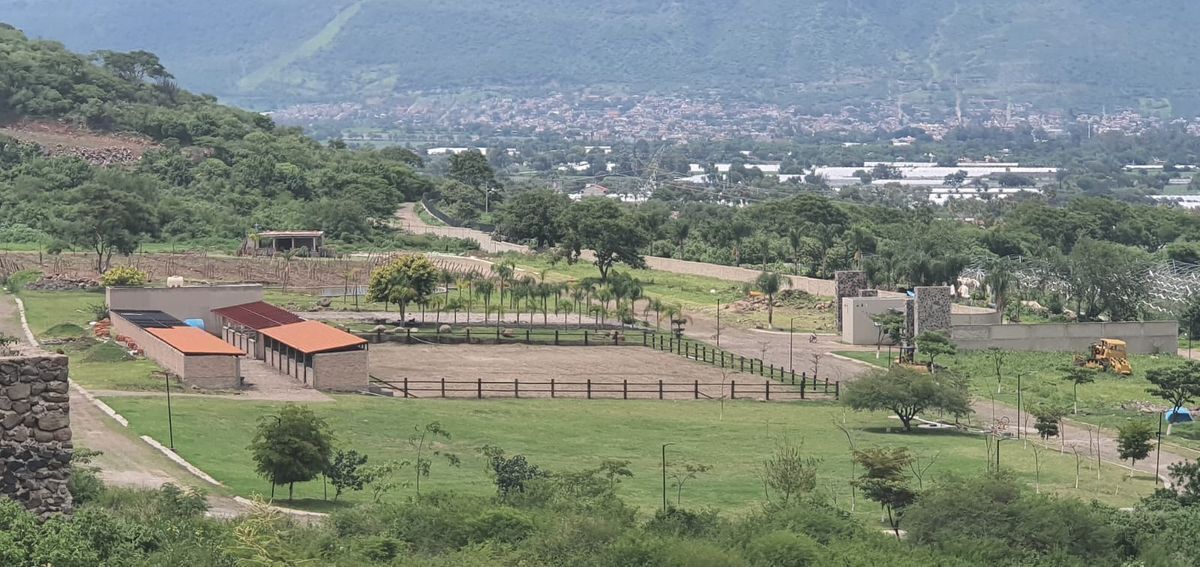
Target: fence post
{"x": 585, "y": 337}
{"x": 589, "y": 388}
{"x": 555, "y": 337}
{"x": 624, "y": 389}
{"x": 722, "y": 360}
{"x": 516, "y": 387}
{"x": 771, "y": 375}
{"x": 643, "y": 338}
{"x": 497, "y": 330}
{"x": 407, "y": 336}
{"x": 837, "y": 390}
{"x": 527, "y": 336}
{"x": 443, "y": 387}
{"x": 741, "y": 363}
{"x": 733, "y": 389}
{"x": 406, "y": 386}
{"x": 468, "y": 335}
{"x": 551, "y": 387}
{"x": 696, "y": 390}
{"x": 803, "y": 384}
{"x": 479, "y": 388}
{"x": 793, "y": 376}
{"x": 768, "y": 391}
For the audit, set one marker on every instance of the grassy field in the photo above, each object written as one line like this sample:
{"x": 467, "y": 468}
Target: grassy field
{"x": 734, "y": 438}
{"x": 46, "y": 309}
{"x": 693, "y": 293}
{"x": 1108, "y": 402}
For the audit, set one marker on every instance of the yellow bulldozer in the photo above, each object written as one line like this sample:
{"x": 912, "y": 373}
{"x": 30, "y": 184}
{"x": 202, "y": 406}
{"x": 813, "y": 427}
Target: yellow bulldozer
{"x": 1108, "y": 355}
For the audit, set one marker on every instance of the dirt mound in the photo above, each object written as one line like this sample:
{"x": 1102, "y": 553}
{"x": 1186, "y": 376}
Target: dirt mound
{"x": 62, "y": 283}
{"x": 97, "y": 148}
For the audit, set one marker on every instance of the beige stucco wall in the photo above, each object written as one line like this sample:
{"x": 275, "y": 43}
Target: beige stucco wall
{"x": 857, "y": 327}
{"x": 800, "y": 283}
{"x": 341, "y": 371}
{"x": 249, "y": 340}
{"x": 196, "y": 302}
{"x": 990, "y": 317}
{"x": 1141, "y": 337}
{"x": 203, "y": 371}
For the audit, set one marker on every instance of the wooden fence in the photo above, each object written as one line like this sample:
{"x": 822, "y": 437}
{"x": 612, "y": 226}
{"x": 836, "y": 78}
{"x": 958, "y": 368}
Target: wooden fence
{"x": 601, "y": 390}
{"x": 805, "y": 385}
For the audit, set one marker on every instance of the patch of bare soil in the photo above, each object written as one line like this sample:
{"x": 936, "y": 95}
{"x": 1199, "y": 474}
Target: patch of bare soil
{"x": 614, "y": 372}
{"x": 61, "y": 139}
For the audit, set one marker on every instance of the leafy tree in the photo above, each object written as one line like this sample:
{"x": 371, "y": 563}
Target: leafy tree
{"x": 423, "y": 441}
{"x": 934, "y": 344}
{"x": 111, "y": 215}
{"x": 681, "y": 473}
{"x": 606, "y": 229}
{"x": 770, "y": 283}
{"x": 997, "y": 356}
{"x": 1178, "y": 385}
{"x": 293, "y": 446}
{"x": 409, "y": 278}
{"x": 883, "y": 480}
{"x": 789, "y": 473}
{"x": 1047, "y": 419}
{"x": 1189, "y": 319}
{"x": 510, "y": 473}
{"x": 533, "y": 215}
{"x": 346, "y": 472}
{"x": 1078, "y": 375}
{"x": 907, "y": 393}
{"x": 1133, "y": 441}
{"x": 1185, "y": 482}
{"x": 473, "y": 170}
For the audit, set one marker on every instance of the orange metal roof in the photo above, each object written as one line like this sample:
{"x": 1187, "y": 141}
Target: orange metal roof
{"x": 190, "y": 340}
{"x": 312, "y": 337}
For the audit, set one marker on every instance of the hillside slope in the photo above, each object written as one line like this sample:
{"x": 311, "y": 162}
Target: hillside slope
{"x": 1063, "y": 52}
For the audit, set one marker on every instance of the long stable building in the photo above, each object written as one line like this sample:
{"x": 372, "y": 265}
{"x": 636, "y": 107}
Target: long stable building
{"x": 226, "y": 322}
{"x": 318, "y": 355}
{"x": 198, "y": 358}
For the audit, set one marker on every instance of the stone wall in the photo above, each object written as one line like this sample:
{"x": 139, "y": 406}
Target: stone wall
{"x": 933, "y": 307}
{"x": 847, "y": 284}
{"x": 1148, "y": 337}
{"x": 35, "y": 432}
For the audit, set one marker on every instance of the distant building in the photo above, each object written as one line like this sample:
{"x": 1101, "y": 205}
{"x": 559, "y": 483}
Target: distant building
{"x": 274, "y": 242}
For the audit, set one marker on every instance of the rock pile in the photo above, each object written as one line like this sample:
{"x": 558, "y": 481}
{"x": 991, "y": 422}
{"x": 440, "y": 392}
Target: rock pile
{"x": 35, "y": 433}
{"x": 58, "y": 282}
{"x": 102, "y": 157}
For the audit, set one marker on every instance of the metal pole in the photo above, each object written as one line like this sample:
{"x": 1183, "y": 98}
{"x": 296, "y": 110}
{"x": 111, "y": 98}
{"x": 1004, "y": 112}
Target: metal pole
{"x": 1158, "y": 451}
{"x": 791, "y": 341}
{"x": 170, "y": 420}
{"x": 718, "y": 322}
{"x": 1019, "y": 405}
{"x": 664, "y": 476}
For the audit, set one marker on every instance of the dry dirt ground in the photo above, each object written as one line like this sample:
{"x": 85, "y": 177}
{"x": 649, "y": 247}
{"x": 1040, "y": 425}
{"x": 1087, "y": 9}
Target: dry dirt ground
{"x": 614, "y": 371}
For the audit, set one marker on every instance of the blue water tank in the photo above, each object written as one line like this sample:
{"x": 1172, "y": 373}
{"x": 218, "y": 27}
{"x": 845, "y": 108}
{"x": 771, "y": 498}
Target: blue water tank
{"x": 197, "y": 323}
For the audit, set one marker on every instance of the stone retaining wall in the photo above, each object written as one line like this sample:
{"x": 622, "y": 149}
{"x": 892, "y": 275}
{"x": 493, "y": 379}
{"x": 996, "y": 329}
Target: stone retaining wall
{"x": 35, "y": 432}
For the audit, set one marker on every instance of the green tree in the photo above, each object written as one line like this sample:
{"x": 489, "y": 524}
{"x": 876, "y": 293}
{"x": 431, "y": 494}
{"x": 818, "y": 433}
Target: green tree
{"x": 423, "y": 441}
{"x": 473, "y": 170}
{"x": 111, "y": 215}
{"x": 1178, "y": 385}
{"x": 1133, "y": 441}
{"x": 883, "y": 480}
{"x": 533, "y": 215}
{"x": 293, "y": 446}
{"x": 934, "y": 344}
{"x": 510, "y": 473}
{"x": 770, "y": 284}
{"x": 1189, "y": 318}
{"x": 346, "y": 472}
{"x": 409, "y": 278}
{"x": 1078, "y": 375}
{"x": 1047, "y": 418}
{"x": 907, "y": 393}
{"x": 788, "y": 473}
{"x": 604, "y": 227}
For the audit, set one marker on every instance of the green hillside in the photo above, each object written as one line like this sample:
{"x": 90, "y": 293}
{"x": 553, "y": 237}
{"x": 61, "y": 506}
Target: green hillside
{"x": 1055, "y": 52}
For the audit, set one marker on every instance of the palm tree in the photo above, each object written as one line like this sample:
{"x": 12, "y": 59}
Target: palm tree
{"x": 1000, "y": 280}
{"x": 770, "y": 283}
{"x": 604, "y": 295}
{"x": 485, "y": 288}
{"x": 504, "y": 273}
{"x": 577, "y": 295}
{"x": 446, "y": 278}
{"x": 656, "y": 305}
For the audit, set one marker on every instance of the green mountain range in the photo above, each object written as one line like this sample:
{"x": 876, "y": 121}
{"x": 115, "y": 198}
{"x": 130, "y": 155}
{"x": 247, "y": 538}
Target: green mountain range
{"x": 1054, "y": 53}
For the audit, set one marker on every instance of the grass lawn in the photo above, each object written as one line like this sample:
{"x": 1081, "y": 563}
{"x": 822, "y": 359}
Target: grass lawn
{"x": 47, "y": 309}
{"x": 693, "y": 293}
{"x": 1108, "y": 402}
{"x": 576, "y": 434}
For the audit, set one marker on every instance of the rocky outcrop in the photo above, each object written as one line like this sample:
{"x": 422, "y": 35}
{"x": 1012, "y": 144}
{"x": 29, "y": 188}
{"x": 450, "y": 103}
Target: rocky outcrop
{"x": 35, "y": 433}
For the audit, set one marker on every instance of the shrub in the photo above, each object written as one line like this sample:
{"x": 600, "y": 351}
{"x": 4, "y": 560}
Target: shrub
{"x": 124, "y": 276}
{"x": 502, "y": 525}
{"x": 783, "y": 549}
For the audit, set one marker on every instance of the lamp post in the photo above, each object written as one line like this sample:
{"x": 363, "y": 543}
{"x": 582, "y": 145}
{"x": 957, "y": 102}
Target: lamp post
{"x": 170, "y": 420}
{"x": 664, "y": 476}
{"x": 1158, "y": 446}
{"x": 791, "y": 341}
{"x": 718, "y": 298}
{"x": 1019, "y": 375}
{"x": 998, "y": 440}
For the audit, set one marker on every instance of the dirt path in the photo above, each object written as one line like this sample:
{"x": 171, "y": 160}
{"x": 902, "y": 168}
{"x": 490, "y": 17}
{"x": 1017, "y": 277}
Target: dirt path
{"x": 409, "y": 221}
